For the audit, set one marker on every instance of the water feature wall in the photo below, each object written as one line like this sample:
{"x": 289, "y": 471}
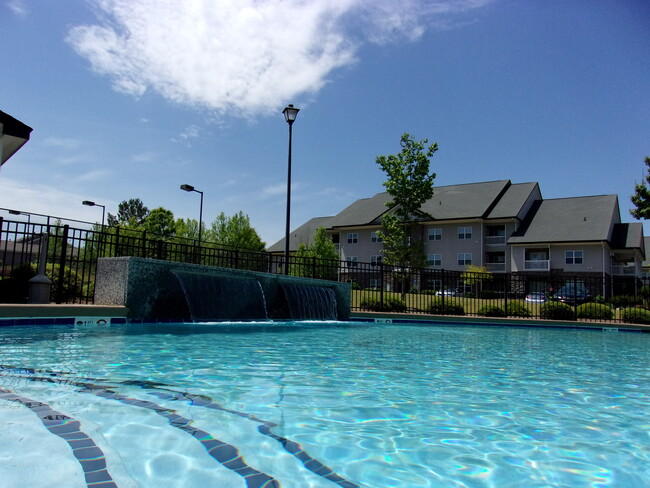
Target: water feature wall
{"x": 212, "y": 297}
{"x": 310, "y": 302}
{"x": 155, "y": 290}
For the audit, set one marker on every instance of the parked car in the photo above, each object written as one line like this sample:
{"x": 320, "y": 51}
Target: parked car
{"x": 449, "y": 292}
{"x": 573, "y": 293}
{"x": 536, "y": 297}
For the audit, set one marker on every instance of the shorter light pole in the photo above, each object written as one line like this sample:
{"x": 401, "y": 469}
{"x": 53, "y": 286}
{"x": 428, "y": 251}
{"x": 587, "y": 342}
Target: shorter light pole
{"x": 88, "y": 203}
{"x": 18, "y": 212}
{"x": 191, "y": 188}
{"x": 290, "y": 114}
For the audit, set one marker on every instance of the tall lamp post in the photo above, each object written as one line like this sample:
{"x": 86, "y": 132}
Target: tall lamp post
{"x": 191, "y": 188}
{"x": 88, "y": 203}
{"x": 290, "y": 113}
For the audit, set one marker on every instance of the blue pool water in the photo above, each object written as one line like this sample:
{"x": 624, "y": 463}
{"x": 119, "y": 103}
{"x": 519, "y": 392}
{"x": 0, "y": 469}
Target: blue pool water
{"x": 323, "y": 405}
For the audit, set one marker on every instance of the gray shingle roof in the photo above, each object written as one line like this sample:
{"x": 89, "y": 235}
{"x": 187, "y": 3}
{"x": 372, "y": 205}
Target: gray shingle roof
{"x": 628, "y": 236}
{"x": 511, "y": 204}
{"x": 472, "y": 200}
{"x": 302, "y": 235}
{"x": 362, "y": 212}
{"x": 581, "y": 219}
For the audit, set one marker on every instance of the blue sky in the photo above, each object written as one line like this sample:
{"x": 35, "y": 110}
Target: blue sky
{"x": 132, "y": 99}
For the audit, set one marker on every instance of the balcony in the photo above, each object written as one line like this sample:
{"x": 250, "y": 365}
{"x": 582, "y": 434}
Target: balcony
{"x": 495, "y": 240}
{"x": 623, "y": 270}
{"x": 537, "y": 265}
{"x": 496, "y": 267}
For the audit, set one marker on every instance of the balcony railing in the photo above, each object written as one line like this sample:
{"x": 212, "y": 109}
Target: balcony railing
{"x": 496, "y": 267}
{"x": 537, "y": 265}
{"x": 495, "y": 240}
{"x": 624, "y": 270}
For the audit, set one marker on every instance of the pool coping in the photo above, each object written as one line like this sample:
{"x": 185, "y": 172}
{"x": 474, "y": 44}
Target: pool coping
{"x": 397, "y": 318}
{"x": 61, "y": 314}
{"x": 71, "y": 314}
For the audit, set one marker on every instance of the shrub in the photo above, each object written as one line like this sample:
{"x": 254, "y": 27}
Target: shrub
{"x": 624, "y": 301}
{"x": 391, "y": 304}
{"x": 394, "y": 304}
{"x": 556, "y": 311}
{"x": 16, "y": 288}
{"x": 451, "y": 307}
{"x": 428, "y": 292}
{"x": 515, "y": 309}
{"x": 371, "y": 304}
{"x": 635, "y": 315}
{"x": 595, "y": 311}
{"x": 491, "y": 311}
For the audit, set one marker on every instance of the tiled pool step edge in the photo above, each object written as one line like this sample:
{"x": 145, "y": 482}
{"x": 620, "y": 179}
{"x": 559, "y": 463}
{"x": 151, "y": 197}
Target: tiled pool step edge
{"x": 63, "y": 314}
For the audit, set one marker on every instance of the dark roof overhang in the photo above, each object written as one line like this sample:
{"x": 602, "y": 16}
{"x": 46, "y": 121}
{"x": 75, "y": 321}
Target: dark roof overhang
{"x": 13, "y": 134}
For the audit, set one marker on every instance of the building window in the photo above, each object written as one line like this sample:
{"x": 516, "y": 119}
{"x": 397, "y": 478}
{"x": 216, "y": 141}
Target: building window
{"x": 573, "y": 257}
{"x": 464, "y": 232}
{"x": 435, "y": 234}
{"x": 376, "y": 259}
{"x": 374, "y": 284}
{"x": 464, "y": 258}
{"x": 352, "y": 261}
{"x": 434, "y": 259}
{"x": 374, "y": 237}
{"x": 353, "y": 238}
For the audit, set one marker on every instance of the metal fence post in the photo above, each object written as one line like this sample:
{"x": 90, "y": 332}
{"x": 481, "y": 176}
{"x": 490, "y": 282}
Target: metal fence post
{"x": 506, "y": 287}
{"x": 62, "y": 262}
{"x": 117, "y": 242}
{"x": 381, "y": 284}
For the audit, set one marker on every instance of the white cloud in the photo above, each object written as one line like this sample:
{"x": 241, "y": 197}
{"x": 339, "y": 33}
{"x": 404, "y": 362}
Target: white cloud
{"x": 18, "y": 7}
{"x": 62, "y": 143}
{"x": 145, "y": 157}
{"x": 46, "y": 200}
{"x": 190, "y": 132}
{"x": 243, "y": 56}
{"x": 273, "y": 191}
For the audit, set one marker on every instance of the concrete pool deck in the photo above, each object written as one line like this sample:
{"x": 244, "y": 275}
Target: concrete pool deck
{"x": 26, "y": 314}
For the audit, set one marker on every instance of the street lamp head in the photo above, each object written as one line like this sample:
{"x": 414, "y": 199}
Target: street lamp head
{"x": 290, "y": 113}
{"x": 14, "y": 212}
{"x": 88, "y": 203}
{"x": 187, "y": 187}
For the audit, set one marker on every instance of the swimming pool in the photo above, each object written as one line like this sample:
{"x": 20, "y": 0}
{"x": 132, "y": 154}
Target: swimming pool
{"x": 323, "y": 405}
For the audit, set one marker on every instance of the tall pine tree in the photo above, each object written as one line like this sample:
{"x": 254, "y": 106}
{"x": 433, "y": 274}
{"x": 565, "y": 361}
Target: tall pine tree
{"x": 641, "y": 197}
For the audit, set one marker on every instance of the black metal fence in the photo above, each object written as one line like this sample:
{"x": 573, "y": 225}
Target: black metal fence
{"x": 72, "y": 253}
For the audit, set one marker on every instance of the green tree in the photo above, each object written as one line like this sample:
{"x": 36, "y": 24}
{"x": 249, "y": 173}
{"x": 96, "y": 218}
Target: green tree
{"x": 189, "y": 229}
{"x": 160, "y": 223}
{"x": 323, "y": 251}
{"x": 476, "y": 275}
{"x": 130, "y": 213}
{"x": 236, "y": 232}
{"x": 641, "y": 197}
{"x": 410, "y": 184}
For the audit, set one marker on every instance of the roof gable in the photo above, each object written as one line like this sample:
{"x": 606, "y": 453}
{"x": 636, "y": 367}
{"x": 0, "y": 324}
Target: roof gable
{"x": 568, "y": 220}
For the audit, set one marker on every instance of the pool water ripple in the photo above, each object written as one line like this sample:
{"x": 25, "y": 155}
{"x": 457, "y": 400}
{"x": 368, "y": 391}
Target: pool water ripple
{"x": 376, "y": 406}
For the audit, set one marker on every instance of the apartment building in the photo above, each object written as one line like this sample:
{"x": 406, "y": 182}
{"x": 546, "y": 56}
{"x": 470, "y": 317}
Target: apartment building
{"x": 506, "y": 227}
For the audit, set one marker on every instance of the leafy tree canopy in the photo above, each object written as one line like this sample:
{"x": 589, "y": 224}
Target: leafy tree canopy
{"x": 641, "y": 197}
{"x": 160, "y": 222}
{"x": 321, "y": 248}
{"x": 410, "y": 184}
{"x": 130, "y": 213}
{"x": 409, "y": 181}
{"x": 236, "y": 232}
